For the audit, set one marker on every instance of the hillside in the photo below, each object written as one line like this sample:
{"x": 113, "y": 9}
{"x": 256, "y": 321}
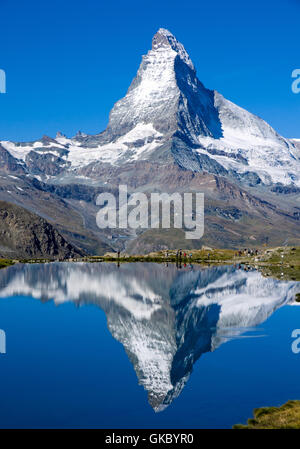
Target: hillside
{"x": 24, "y": 234}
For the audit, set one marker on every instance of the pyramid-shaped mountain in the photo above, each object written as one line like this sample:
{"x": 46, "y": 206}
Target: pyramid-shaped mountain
{"x": 170, "y": 134}
{"x": 168, "y": 114}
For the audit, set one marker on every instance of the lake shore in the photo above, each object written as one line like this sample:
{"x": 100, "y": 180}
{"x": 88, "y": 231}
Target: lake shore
{"x": 281, "y": 262}
{"x": 287, "y": 416}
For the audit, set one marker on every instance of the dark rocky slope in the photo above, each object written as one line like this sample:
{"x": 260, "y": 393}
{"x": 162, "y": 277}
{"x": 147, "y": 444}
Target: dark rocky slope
{"x": 24, "y": 234}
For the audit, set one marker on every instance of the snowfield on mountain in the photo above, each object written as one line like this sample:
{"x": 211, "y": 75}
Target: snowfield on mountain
{"x": 168, "y": 113}
{"x": 168, "y": 134}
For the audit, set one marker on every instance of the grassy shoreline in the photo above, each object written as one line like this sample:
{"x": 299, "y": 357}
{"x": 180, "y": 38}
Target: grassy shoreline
{"x": 6, "y": 263}
{"x": 287, "y": 416}
{"x": 281, "y": 262}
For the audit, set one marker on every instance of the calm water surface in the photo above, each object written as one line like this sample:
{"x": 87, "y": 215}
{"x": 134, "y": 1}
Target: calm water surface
{"x": 143, "y": 345}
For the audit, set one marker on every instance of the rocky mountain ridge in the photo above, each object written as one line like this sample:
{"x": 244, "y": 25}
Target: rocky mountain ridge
{"x": 169, "y": 133}
{"x": 167, "y": 113}
{"x": 24, "y": 234}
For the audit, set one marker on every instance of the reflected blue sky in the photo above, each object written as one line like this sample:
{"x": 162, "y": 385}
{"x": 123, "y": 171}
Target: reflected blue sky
{"x": 63, "y": 368}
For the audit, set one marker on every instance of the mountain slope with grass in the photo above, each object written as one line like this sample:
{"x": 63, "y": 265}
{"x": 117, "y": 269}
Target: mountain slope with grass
{"x": 285, "y": 417}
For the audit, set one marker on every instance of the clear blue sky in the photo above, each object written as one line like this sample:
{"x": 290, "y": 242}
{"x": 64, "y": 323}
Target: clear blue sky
{"x": 67, "y": 62}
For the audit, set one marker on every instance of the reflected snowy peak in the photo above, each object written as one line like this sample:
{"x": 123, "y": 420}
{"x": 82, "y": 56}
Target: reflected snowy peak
{"x": 164, "y": 317}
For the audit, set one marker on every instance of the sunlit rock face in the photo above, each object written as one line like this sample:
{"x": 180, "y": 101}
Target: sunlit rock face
{"x": 167, "y": 94}
{"x": 164, "y": 317}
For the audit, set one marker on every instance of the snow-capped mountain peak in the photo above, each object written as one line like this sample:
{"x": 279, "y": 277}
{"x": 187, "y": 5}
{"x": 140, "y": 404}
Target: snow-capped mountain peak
{"x": 165, "y": 39}
{"x": 168, "y": 114}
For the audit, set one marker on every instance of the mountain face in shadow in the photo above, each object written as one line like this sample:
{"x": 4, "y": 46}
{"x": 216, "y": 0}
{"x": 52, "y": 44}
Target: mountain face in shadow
{"x": 165, "y": 318}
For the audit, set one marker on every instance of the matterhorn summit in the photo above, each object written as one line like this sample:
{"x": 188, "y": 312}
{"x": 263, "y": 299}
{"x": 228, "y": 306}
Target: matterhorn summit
{"x": 168, "y": 114}
{"x": 169, "y": 133}
{"x": 167, "y": 95}
{"x": 204, "y": 130}
{"x": 164, "y": 39}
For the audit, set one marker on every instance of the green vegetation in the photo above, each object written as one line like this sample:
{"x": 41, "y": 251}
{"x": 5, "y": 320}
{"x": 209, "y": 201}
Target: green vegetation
{"x": 285, "y": 273}
{"x": 282, "y": 262}
{"x": 128, "y": 259}
{"x": 285, "y": 417}
{"x": 286, "y": 255}
{"x": 6, "y": 263}
{"x": 195, "y": 256}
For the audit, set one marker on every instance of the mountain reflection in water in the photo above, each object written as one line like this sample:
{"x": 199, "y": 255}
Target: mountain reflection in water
{"x": 164, "y": 317}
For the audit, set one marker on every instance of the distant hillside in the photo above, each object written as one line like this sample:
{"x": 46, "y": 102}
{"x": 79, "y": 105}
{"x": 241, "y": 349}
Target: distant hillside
{"x": 24, "y": 234}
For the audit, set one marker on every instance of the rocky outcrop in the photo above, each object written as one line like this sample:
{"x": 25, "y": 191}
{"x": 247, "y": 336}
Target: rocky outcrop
{"x": 45, "y": 164}
{"x": 24, "y": 234}
{"x": 8, "y": 163}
